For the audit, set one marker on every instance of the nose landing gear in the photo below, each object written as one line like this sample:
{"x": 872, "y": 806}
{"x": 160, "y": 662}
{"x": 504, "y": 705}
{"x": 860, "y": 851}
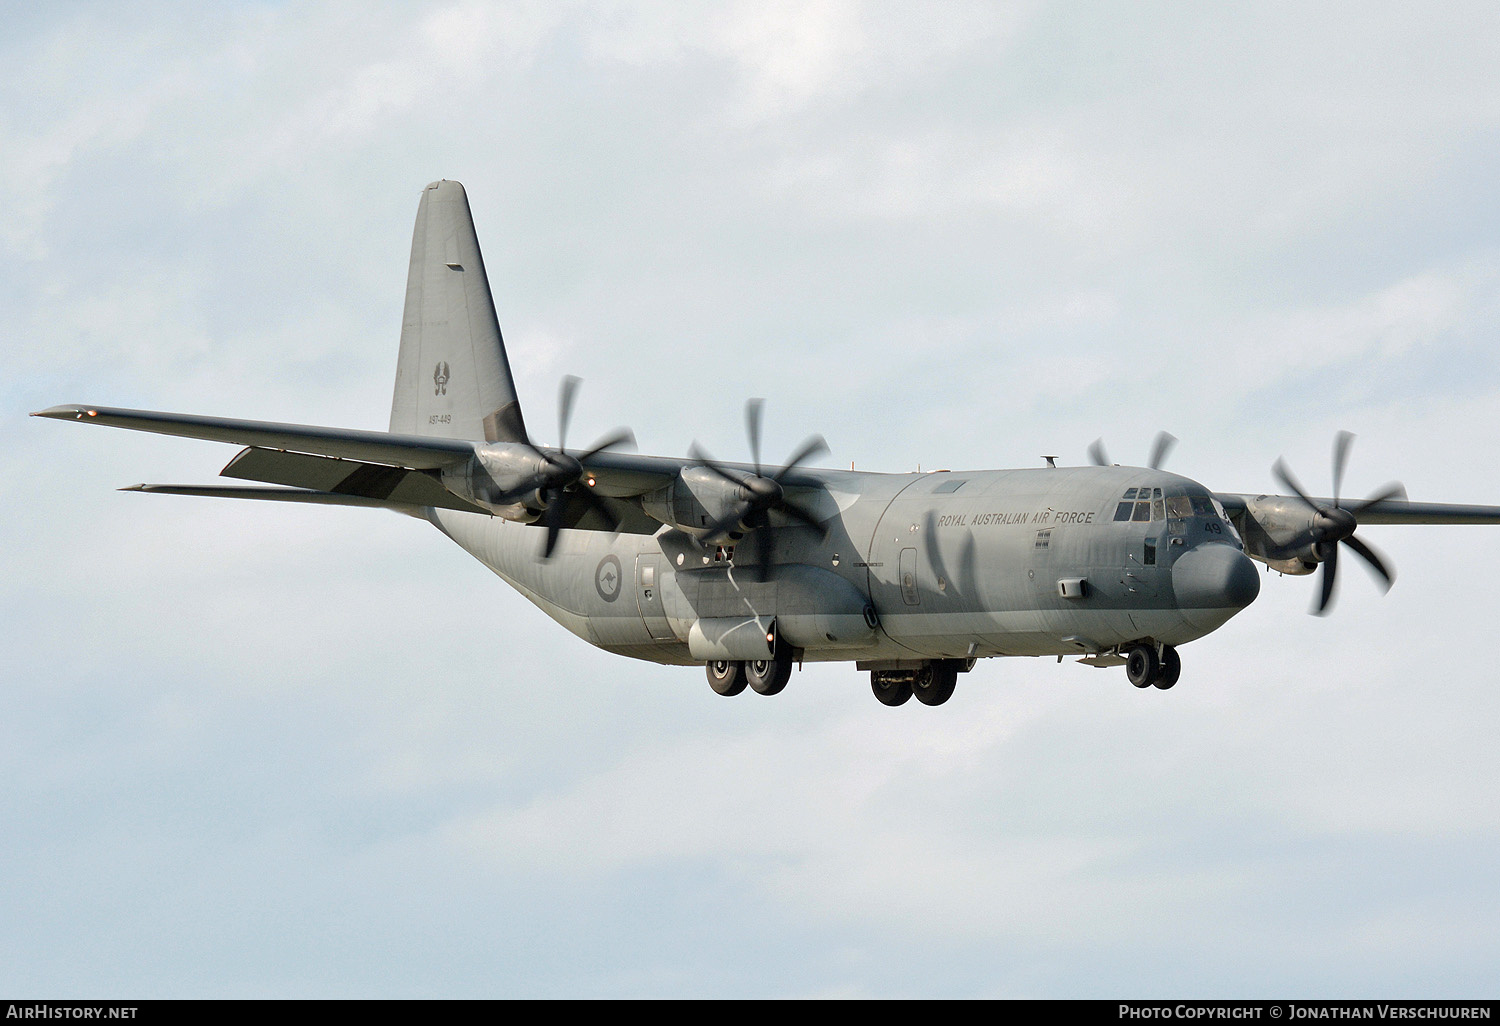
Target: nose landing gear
{"x": 1148, "y": 666}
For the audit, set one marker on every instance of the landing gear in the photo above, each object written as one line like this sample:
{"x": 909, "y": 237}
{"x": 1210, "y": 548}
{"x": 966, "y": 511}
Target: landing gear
{"x": 1171, "y": 668}
{"x": 890, "y": 687}
{"x": 1142, "y": 666}
{"x": 935, "y": 682}
{"x": 769, "y": 676}
{"x": 1145, "y": 669}
{"x": 726, "y": 677}
{"x": 932, "y": 683}
{"x": 765, "y": 676}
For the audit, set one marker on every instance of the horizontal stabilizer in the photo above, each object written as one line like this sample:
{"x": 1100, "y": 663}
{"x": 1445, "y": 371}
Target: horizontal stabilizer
{"x": 418, "y": 453}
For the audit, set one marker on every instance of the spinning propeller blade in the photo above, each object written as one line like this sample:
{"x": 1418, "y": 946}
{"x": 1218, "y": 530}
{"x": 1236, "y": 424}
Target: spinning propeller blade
{"x": 1159, "y": 450}
{"x": 560, "y": 471}
{"x": 759, "y": 495}
{"x": 1337, "y": 523}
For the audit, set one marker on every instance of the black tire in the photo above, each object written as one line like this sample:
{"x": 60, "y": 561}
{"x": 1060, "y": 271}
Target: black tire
{"x": 726, "y": 677}
{"x": 890, "y": 692}
{"x": 935, "y": 683}
{"x": 1171, "y": 668}
{"x": 1142, "y": 666}
{"x": 768, "y": 676}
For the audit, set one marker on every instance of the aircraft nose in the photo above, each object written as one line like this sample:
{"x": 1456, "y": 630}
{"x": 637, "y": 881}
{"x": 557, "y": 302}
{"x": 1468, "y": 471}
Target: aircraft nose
{"x": 1210, "y": 581}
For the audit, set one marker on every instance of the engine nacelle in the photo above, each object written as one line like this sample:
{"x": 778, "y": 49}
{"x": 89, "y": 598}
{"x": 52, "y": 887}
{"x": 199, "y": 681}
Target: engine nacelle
{"x": 497, "y": 470}
{"x": 695, "y": 498}
{"x": 1275, "y": 530}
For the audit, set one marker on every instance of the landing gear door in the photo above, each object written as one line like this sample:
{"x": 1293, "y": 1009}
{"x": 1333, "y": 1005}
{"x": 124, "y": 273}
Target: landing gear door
{"x": 648, "y": 589}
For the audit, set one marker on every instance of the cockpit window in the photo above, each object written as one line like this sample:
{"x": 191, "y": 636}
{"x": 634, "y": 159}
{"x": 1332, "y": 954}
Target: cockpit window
{"x": 1141, "y": 505}
{"x": 1192, "y": 502}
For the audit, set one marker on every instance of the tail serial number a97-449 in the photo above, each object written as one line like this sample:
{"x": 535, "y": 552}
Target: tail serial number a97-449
{"x": 750, "y": 569}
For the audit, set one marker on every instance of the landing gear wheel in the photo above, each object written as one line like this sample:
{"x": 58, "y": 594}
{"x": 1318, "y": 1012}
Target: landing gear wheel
{"x": 1142, "y": 666}
{"x": 890, "y": 691}
{"x": 935, "y": 682}
{"x": 726, "y": 677}
{"x": 1171, "y": 668}
{"x": 768, "y": 676}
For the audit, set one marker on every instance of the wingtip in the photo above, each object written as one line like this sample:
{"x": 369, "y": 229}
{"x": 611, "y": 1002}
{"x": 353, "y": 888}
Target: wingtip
{"x": 64, "y": 412}
{"x": 132, "y": 488}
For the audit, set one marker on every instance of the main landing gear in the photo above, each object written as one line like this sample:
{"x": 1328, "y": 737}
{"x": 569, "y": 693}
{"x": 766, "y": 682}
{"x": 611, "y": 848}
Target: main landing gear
{"x": 765, "y": 676}
{"x": 1148, "y": 667}
{"x": 932, "y": 684}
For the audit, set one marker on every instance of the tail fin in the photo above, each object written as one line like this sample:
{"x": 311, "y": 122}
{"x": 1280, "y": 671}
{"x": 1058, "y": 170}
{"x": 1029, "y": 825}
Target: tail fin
{"x": 452, "y": 377}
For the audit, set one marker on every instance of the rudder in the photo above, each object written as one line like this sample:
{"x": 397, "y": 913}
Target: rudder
{"x": 452, "y": 375}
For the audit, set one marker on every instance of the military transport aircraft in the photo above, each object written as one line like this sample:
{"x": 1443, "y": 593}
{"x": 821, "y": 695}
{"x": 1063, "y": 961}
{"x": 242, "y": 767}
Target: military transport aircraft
{"x": 748, "y": 569}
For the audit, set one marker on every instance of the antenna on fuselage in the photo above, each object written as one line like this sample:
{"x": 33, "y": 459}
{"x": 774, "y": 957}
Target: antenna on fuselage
{"x": 1051, "y": 461}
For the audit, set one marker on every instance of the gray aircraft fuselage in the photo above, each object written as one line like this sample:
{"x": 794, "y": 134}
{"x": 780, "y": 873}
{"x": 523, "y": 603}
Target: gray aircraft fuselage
{"x": 950, "y": 565}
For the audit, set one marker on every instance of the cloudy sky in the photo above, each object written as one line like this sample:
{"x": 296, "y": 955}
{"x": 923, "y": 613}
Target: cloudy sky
{"x": 253, "y": 750}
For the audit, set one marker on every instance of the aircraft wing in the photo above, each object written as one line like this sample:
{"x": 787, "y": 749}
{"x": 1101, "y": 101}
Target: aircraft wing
{"x": 412, "y": 451}
{"x": 340, "y": 466}
{"x": 277, "y": 494}
{"x": 1385, "y": 511}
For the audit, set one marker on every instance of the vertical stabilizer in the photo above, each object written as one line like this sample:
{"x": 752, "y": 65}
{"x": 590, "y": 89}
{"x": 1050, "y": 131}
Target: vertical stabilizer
{"x": 452, "y": 377}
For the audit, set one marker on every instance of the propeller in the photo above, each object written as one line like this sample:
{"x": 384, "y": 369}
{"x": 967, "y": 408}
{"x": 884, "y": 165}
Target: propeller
{"x": 1159, "y": 450}
{"x": 560, "y": 471}
{"x": 759, "y": 494}
{"x": 1337, "y": 523}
